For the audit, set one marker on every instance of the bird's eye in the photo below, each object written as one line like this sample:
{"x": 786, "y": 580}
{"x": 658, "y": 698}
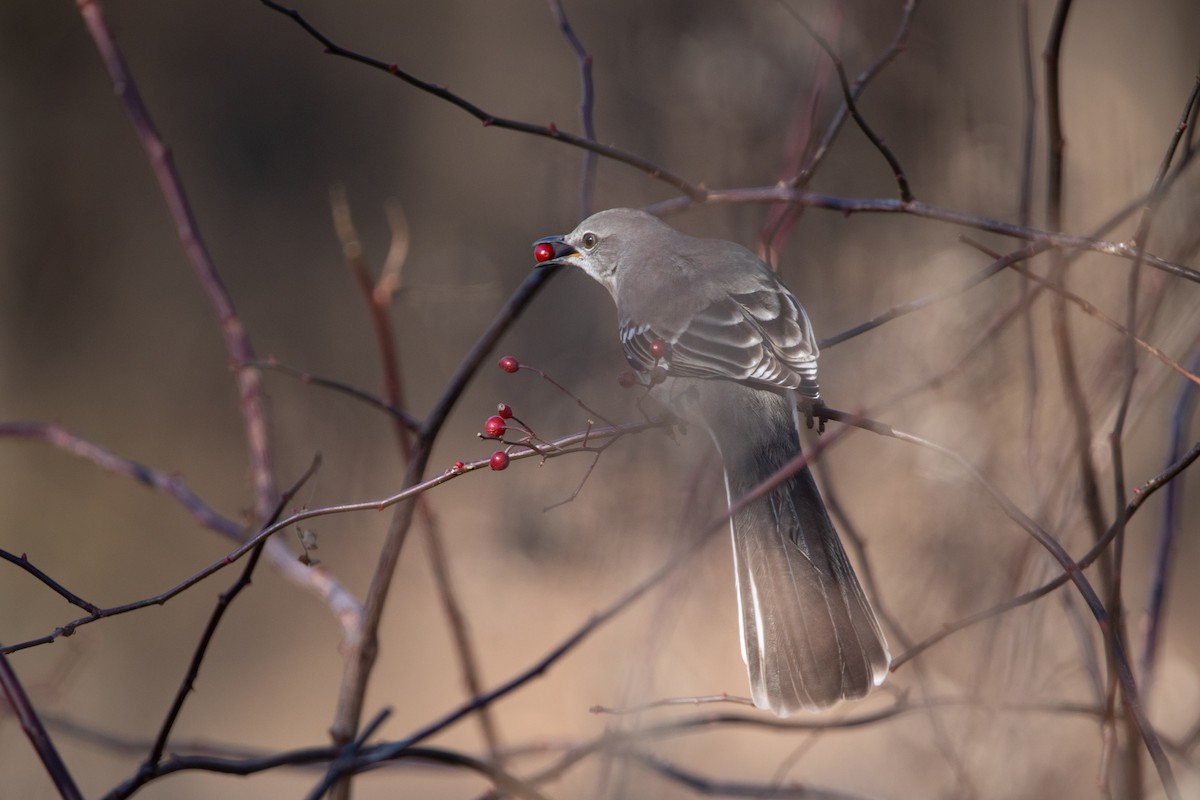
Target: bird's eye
{"x": 589, "y": 240}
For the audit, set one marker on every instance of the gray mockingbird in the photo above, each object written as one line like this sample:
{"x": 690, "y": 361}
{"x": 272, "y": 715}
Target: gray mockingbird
{"x": 740, "y": 356}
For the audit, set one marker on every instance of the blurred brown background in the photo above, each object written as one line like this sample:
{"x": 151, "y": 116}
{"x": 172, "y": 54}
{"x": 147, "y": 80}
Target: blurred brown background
{"x": 104, "y": 328}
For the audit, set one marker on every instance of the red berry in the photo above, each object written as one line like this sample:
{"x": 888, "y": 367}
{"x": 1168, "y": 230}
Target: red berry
{"x": 494, "y": 427}
{"x": 504, "y": 410}
{"x": 658, "y": 348}
{"x": 626, "y": 379}
{"x": 499, "y": 460}
{"x": 543, "y": 252}
{"x": 459, "y": 466}
{"x": 509, "y": 364}
{"x": 658, "y": 374}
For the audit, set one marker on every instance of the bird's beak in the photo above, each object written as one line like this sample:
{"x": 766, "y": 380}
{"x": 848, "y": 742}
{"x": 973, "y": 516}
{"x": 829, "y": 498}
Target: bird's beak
{"x": 552, "y": 251}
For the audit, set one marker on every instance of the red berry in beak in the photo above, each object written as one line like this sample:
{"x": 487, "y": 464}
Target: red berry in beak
{"x": 543, "y": 252}
{"x": 658, "y": 348}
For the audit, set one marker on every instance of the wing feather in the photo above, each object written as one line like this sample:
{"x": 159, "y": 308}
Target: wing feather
{"x": 762, "y": 338}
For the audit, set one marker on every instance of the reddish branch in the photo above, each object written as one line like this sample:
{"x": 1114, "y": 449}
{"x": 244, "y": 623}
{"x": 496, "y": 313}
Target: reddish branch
{"x": 237, "y": 341}
{"x": 378, "y": 295}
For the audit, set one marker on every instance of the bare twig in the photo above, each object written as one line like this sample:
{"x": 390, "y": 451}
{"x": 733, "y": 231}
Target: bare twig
{"x": 378, "y": 296}
{"x": 1090, "y": 309}
{"x": 320, "y": 755}
{"x": 43, "y": 745}
{"x": 1140, "y": 496}
{"x": 906, "y": 194}
{"x": 550, "y": 131}
{"x": 897, "y": 633}
{"x": 542, "y": 374}
{"x": 361, "y": 651}
{"x": 22, "y": 561}
{"x": 969, "y": 282}
{"x": 781, "y": 219}
{"x": 336, "y": 597}
{"x": 1025, "y": 217}
{"x": 894, "y": 48}
{"x": 598, "y": 619}
{"x": 237, "y": 341}
{"x": 1168, "y": 533}
{"x": 1140, "y": 239}
{"x": 710, "y": 786}
{"x": 148, "y": 769}
{"x": 917, "y": 208}
{"x": 398, "y": 414}
{"x": 587, "y": 178}
{"x": 1123, "y": 671}
{"x": 563, "y": 445}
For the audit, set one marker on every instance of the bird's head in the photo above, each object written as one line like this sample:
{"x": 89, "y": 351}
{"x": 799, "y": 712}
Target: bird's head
{"x": 605, "y": 244}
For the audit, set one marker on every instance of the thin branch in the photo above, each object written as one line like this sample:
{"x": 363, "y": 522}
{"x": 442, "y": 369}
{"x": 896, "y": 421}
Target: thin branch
{"x": 615, "y": 740}
{"x": 781, "y": 219}
{"x": 169, "y": 484}
{"x": 759, "y": 722}
{"x": 43, "y": 745}
{"x": 906, "y": 194}
{"x": 587, "y": 178}
{"x": 1140, "y": 240}
{"x": 563, "y": 447}
{"x": 398, "y": 414}
{"x": 1140, "y": 496}
{"x": 600, "y": 618}
{"x": 1123, "y": 670}
{"x": 917, "y": 208}
{"x": 150, "y": 764}
{"x": 1169, "y": 529}
{"x": 237, "y": 341}
{"x": 716, "y": 788}
{"x": 969, "y": 282}
{"x": 941, "y": 737}
{"x": 378, "y": 295}
{"x": 542, "y": 374}
{"x": 23, "y": 562}
{"x": 1025, "y": 217}
{"x": 1088, "y": 308}
{"x": 469, "y": 366}
{"x": 1054, "y": 130}
{"x": 360, "y": 653}
{"x": 898, "y": 44}
{"x": 550, "y": 131}
{"x": 344, "y": 606}
{"x": 320, "y": 755}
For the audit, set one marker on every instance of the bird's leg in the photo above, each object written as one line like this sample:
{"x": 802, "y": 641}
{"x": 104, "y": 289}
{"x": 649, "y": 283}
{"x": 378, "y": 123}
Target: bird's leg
{"x": 810, "y": 407}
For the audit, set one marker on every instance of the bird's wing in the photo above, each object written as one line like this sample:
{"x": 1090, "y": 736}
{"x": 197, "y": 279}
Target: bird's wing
{"x": 762, "y": 338}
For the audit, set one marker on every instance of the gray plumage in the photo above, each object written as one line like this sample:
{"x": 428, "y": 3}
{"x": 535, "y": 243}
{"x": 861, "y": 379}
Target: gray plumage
{"x": 740, "y": 354}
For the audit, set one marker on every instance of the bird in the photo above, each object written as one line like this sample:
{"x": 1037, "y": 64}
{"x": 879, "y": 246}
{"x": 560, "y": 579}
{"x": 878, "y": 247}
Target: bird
{"x": 740, "y": 359}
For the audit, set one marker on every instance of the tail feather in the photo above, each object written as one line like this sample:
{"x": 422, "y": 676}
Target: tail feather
{"x": 809, "y": 635}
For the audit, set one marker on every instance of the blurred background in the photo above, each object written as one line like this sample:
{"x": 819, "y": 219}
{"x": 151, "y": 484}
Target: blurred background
{"x": 104, "y": 328}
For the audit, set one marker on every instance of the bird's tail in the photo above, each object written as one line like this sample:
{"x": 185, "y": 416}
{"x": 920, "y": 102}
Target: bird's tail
{"x": 809, "y": 635}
